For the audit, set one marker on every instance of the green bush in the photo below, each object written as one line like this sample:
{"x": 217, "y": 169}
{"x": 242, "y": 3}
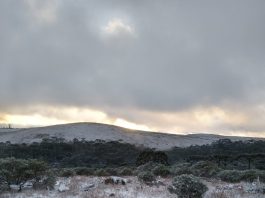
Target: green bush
{"x": 249, "y": 175}
{"x": 187, "y": 186}
{"x": 18, "y": 172}
{"x": 4, "y": 187}
{"x": 152, "y": 156}
{"x": 237, "y": 176}
{"x": 146, "y": 167}
{"x": 126, "y": 171}
{"x": 204, "y": 169}
{"x": 47, "y": 182}
{"x": 101, "y": 173}
{"x": 67, "y": 172}
{"x": 84, "y": 171}
{"x": 112, "y": 171}
{"x": 161, "y": 170}
{"x": 180, "y": 169}
{"x": 230, "y": 175}
{"x": 146, "y": 177}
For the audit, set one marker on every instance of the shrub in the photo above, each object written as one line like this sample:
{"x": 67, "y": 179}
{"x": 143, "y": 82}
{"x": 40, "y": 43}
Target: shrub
{"x": 126, "y": 171}
{"x": 84, "y": 171}
{"x": 187, "y": 186}
{"x": 111, "y": 171}
{"x": 152, "y": 156}
{"x": 3, "y": 186}
{"x": 146, "y": 177}
{"x": 251, "y": 175}
{"x": 180, "y": 169}
{"x": 146, "y": 167}
{"x": 67, "y": 172}
{"x": 230, "y": 175}
{"x": 47, "y": 182}
{"x": 237, "y": 176}
{"x": 101, "y": 172}
{"x": 161, "y": 170}
{"x": 18, "y": 172}
{"x": 204, "y": 169}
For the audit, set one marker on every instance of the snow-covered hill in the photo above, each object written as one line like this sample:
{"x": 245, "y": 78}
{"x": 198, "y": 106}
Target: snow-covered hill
{"x": 93, "y": 131}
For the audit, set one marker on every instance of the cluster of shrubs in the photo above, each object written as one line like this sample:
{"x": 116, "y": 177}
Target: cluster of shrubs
{"x": 245, "y": 175}
{"x": 18, "y": 172}
{"x": 184, "y": 185}
{"x": 85, "y": 171}
{"x": 201, "y": 169}
{"x": 187, "y": 186}
{"x": 150, "y": 170}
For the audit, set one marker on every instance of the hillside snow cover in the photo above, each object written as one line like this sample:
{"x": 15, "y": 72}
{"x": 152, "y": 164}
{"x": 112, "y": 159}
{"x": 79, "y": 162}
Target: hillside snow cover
{"x": 94, "y": 131}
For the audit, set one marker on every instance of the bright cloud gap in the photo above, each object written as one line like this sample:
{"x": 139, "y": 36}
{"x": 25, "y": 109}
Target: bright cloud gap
{"x": 198, "y": 120}
{"x": 116, "y": 27}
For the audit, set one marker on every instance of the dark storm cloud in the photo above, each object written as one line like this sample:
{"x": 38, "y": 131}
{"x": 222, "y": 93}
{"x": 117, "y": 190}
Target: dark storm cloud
{"x": 180, "y": 54}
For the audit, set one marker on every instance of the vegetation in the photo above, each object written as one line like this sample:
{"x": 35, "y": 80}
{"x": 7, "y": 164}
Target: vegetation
{"x": 226, "y": 154}
{"x": 126, "y": 171}
{"x": 18, "y": 172}
{"x": 37, "y": 162}
{"x": 187, "y": 186}
{"x": 84, "y": 171}
{"x": 152, "y": 156}
{"x": 57, "y": 152}
{"x": 204, "y": 169}
{"x": 161, "y": 170}
{"x": 146, "y": 177}
{"x": 237, "y": 176}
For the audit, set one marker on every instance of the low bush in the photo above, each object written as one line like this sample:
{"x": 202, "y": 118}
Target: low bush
{"x": 180, "y": 169}
{"x": 230, "y": 175}
{"x": 146, "y": 167}
{"x": 101, "y": 173}
{"x": 47, "y": 182}
{"x": 161, "y": 170}
{"x": 237, "y": 176}
{"x": 67, "y": 172}
{"x": 126, "y": 171}
{"x": 187, "y": 186}
{"x": 204, "y": 169}
{"x": 146, "y": 177}
{"x": 18, "y": 172}
{"x": 84, "y": 171}
{"x": 4, "y": 187}
{"x": 112, "y": 171}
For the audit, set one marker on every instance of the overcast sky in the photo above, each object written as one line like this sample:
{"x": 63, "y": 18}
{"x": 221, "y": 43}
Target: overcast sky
{"x": 174, "y": 65}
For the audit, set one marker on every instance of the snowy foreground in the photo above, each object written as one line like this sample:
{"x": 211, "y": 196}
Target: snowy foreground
{"x": 95, "y": 187}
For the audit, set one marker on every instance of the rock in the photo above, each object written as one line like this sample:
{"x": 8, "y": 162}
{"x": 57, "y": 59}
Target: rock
{"x": 87, "y": 187}
{"x": 112, "y": 195}
{"x": 62, "y": 187}
{"x": 14, "y": 187}
{"x": 27, "y": 185}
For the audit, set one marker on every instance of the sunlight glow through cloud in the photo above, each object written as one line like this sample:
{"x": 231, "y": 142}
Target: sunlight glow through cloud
{"x": 117, "y": 26}
{"x": 129, "y": 125}
{"x": 219, "y": 120}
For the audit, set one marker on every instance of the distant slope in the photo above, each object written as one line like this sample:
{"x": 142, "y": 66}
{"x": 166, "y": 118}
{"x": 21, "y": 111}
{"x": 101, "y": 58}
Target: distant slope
{"x": 93, "y": 131}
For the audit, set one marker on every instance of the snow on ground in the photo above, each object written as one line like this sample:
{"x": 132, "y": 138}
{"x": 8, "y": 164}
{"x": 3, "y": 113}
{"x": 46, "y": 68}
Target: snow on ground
{"x": 93, "y": 131}
{"x": 94, "y": 187}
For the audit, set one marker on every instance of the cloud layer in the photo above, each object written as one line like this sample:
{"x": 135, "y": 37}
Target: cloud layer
{"x": 126, "y": 57}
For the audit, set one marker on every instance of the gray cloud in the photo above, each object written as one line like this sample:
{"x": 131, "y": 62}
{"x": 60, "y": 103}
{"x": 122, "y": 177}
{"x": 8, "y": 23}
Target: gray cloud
{"x": 183, "y": 54}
